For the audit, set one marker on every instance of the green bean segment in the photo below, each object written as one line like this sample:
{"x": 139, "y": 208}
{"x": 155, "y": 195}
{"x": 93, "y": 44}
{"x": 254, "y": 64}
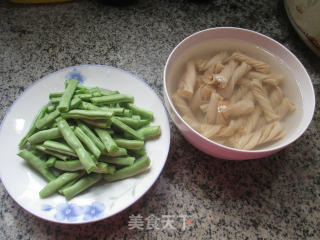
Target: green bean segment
{"x": 81, "y": 185}
{"x": 145, "y": 114}
{"x": 120, "y": 152}
{"x": 87, "y": 114}
{"x": 140, "y": 152}
{"x": 75, "y": 143}
{"x": 125, "y": 128}
{"x": 55, "y": 95}
{"x": 136, "y": 168}
{"x": 98, "y": 123}
{"x": 43, "y": 135}
{"x": 150, "y": 132}
{"x": 129, "y": 143}
{"x": 37, "y": 164}
{"x": 47, "y": 120}
{"x": 50, "y": 162}
{"x": 41, "y": 148}
{"x": 33, "y": 127}
{"x": 69, "y": 166}
{"x": 92, "y": 136}
{"x": 65, "y": 101}
{"x": 88, "y": 142}
{"x": 107, "y": 140}
{"x": 134, "y": 123}
{"x": 57, "y": 183}
{"x": 59, "y": 147}
{"x": 122, "y": 161}
{"x": 114, "y": 98}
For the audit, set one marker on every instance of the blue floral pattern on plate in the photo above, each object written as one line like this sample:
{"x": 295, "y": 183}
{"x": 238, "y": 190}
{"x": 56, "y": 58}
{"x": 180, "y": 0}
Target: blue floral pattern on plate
{"x": 95, "y": 210}
{"x": 75, "y": 74}
{"x": 70, "y": 212}
{"x": 46, "y": 207}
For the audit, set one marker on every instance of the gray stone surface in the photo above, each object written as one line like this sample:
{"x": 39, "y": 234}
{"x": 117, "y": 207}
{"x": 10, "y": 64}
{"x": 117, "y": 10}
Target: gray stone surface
{"x": 273, "y": 198}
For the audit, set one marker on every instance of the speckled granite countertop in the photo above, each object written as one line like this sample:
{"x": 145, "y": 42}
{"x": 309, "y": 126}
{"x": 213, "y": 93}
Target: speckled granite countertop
{"x": 273, "y": 198}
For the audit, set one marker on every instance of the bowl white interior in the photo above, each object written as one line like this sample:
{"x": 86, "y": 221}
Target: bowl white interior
{"x": 298, "y": 86}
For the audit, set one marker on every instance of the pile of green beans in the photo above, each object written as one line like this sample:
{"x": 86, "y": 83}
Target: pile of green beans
{"x": 85, "y": 135}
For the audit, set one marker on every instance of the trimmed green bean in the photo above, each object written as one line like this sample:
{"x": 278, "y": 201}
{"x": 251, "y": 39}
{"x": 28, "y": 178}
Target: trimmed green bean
{"x": 50, "y": 109}
{"x": 53, "y": 153}
{"x": 69, "y": 166}
{"x": 48, "y": 119}
{"x": 88, "y": 142}
{"x": 88, "y": 106}
{"x": 103, "y": 167}
{"x": 150, "y": 131}
{"x": 75, "y": 102}
{"x": 105, "y": 92}
{"x": 118, "y": 111}
{"x": 68, "y": 185}
{"x": 129, "y": 143}
{"x": 33, "y": 127}
{"x": 94, "y": 89}
{"x": 59, "y": 147}
{"x": 96, "y": 94}
{"x": 127, "y": 113}
{"x": 101, "y": 91}
{"x": 57, "y": 183}
{"x": 65, "y": 101}
{"x": 134, "y": 123}
{"x": 111, "y": 169}
{"x": 37, "y": 164}
{"x": 87, "y": 114}
{"x": 39, "y": 154}
{"x": 120, "y": 152}
{"x": 81, "y": 90}
{"x": 121, "y": 161}
{"x": 55, "y": 94}
{"x": 41, "y": 136}
{"x": 55, "y": 100}
{"x": 107, "y": 140}
{"x": 137, "y": 117}
{"x": 81, "y": 185}
{"x": 145, "y": 114}
{"x": 98, "y": 123}
{"x": 142, "y": 151}
{"x": 114, "y": 98}
{"x": 84, "y": 96}
{"x": 76, "y": 145}
{"x": 92, "y": 136}
{"x": 50, "y": 162}
{"x": 125, "y": 128}
{"x": 75, "y": 165}
{"x": 129, "y": 171}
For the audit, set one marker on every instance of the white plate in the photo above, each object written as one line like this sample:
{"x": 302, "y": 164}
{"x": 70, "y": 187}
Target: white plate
{"x": 304, "y": 17}
{"x": 103, "y": 200}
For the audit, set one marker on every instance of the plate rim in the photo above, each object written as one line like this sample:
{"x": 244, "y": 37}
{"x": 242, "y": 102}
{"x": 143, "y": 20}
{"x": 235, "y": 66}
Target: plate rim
{"x": 300, "y": 31}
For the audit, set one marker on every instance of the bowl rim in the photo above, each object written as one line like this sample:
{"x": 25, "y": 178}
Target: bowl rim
{"x": 261, "y": 151}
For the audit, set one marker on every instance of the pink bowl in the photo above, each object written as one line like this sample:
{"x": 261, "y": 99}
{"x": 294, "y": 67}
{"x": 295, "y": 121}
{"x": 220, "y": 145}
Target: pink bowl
{"x": 303, "y": 95}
